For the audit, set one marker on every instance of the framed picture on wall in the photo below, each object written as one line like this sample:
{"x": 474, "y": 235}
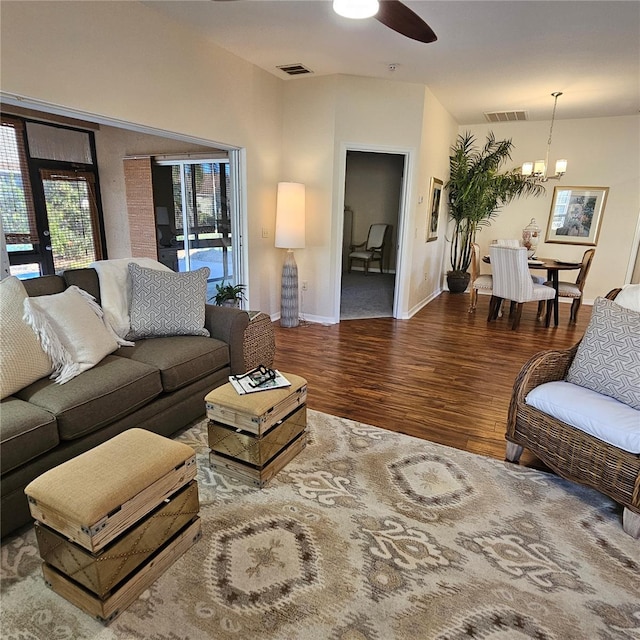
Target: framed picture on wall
{"x": 433, "y": 213}
{"x": 576, "y": 215}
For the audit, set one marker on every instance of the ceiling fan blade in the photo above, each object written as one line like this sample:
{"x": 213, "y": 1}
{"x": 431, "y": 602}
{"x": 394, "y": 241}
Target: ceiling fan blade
{"x": 397, "y": 16}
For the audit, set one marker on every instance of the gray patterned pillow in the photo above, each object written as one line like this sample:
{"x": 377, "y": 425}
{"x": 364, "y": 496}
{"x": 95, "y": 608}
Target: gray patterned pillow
{"x": 608, "y": 358}
{"x": 165, "y": 303}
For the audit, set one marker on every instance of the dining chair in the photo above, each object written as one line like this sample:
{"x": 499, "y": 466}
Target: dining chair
{"x": 372, "y": 249}
{"x": 478, "y": 282}
{"x": 512, "y": 281}
{"x": 573, "y": 289}
{"x": 511, "y": 242}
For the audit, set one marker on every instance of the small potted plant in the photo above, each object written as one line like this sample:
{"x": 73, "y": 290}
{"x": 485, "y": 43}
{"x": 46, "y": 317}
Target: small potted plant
{"x": 476, "y": 192}
{"x": 229, "y": 295}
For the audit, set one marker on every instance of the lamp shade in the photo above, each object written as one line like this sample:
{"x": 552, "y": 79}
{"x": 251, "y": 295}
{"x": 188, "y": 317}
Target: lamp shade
{"x": 290, "y": 233}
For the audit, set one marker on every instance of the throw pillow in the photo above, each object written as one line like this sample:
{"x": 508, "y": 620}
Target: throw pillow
{"x": 608, "y": 358}
{"x": 71, "y": 330}
{"x": 167, "y": 303}
{"x": 23, "y": 360}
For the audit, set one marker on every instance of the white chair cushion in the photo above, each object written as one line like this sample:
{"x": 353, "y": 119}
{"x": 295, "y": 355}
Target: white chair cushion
{"x": 361, "y": 255}
{"x": 542, "y": 292}
{"x": 483, "y": 282}
{"x": 567, "y": 289}
{"x": 601, "y": 416}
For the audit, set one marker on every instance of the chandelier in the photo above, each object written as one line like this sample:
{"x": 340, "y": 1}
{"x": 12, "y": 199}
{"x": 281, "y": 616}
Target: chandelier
{"x": 537, "y": 171}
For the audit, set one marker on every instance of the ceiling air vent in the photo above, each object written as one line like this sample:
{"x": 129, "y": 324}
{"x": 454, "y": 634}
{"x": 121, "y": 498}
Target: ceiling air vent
{"x": 295, "y": 69}
{"x": 505, "y": 116}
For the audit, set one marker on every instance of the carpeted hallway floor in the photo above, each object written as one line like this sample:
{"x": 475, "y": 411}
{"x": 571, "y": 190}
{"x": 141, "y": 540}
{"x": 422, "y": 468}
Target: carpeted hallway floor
{"x": 368, "y": 296}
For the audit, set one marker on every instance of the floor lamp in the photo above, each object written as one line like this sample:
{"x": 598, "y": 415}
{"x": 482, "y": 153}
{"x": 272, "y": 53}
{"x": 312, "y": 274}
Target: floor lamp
{"x": 289, "y": 236}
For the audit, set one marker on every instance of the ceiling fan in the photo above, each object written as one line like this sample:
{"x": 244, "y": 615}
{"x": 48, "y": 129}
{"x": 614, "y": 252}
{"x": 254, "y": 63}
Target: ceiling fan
{"x": 391, "y": 13}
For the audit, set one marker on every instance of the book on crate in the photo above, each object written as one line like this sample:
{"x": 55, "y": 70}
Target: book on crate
{"x": 258, "y": 380}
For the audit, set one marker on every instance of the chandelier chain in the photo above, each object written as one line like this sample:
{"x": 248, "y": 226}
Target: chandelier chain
{"x": 553, "y": 115}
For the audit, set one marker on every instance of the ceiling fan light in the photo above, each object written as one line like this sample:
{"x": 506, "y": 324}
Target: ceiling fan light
{"x": 356, "y": 9}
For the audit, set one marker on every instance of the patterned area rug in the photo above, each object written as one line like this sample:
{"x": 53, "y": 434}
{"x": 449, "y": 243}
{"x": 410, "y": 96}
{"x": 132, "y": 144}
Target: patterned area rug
{"x": 370, "y": 535}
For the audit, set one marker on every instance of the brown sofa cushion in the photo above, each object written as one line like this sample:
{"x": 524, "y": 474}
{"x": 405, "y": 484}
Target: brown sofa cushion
{"x": 180, "y": 359}
{"x": 114, "y": 388}
{"x": 26, "y": 432}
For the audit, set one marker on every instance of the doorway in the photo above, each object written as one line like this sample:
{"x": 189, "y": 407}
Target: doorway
{"x": 49, "y": 197}
{"x": 373, "y": 195}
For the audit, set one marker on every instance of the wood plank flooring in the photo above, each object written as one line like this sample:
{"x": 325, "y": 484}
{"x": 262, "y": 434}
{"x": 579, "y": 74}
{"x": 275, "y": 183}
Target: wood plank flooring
{"x": 444, "y": 375}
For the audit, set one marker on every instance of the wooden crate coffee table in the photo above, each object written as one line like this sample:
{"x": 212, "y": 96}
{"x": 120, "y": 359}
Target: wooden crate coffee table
{"x": 110, "y": 521}
{"x": 254, "y": 436}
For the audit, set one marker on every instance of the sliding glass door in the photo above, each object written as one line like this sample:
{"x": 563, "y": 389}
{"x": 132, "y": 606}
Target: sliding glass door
{"x": 202, "y": 220}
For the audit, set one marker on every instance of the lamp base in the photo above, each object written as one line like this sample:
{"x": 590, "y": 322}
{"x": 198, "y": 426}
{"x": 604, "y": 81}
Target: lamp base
{"x": 289, "y": 316}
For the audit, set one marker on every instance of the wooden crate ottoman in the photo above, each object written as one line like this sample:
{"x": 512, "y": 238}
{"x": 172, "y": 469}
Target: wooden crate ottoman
{"x": 253, "y": 436}
{"x": 110, "y": 521}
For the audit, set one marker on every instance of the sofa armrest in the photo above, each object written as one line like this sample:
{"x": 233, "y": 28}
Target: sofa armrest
{"x": 545, "y": 366}
{"x": 228, "y": 324}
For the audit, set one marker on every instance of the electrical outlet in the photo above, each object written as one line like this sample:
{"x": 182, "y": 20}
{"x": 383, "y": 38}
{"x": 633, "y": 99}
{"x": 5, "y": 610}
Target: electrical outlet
{"x": 265, "y": 232}
{"x": 304, "y": 285}
{"x": 426, "y": 276}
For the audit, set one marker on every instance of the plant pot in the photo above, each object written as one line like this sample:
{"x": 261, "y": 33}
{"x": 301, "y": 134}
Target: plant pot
{"x": 458, "y": 281}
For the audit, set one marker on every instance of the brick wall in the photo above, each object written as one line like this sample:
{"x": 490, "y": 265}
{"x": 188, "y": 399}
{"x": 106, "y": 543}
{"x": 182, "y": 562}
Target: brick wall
{"x": 140, "y": 209}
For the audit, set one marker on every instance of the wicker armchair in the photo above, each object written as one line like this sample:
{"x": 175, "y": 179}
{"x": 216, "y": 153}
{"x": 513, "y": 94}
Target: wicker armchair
{"x": 570, "y": 452}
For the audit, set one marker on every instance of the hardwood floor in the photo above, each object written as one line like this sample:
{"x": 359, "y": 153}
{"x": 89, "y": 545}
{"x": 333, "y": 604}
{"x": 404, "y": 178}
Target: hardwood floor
{"x": 444, "y": 375}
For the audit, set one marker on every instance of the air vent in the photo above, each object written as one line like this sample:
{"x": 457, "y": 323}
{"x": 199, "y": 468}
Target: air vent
{"x": 506, "y": 116}
{"x": 295, "y": 69}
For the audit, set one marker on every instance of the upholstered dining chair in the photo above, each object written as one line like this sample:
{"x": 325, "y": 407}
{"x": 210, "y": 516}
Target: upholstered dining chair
{"x": 512, "y": 281}
{"x": 479, "y": 282}
{"x": 372, "y": 249}
{"x": 511, "y": 242}
{"x": 573, "y": 289}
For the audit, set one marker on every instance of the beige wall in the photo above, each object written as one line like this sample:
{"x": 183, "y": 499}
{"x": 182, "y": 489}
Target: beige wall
{"x": 438, "y": 133}
{"x": 602, "y": 152}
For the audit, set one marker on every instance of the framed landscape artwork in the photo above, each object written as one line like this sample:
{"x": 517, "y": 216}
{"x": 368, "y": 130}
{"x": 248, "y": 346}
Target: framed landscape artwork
{"x": 576, "y": 215}
{"x": 435, "y": 196}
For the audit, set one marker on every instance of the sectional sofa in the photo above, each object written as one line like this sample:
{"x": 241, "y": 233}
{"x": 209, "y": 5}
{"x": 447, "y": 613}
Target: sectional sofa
{"x": 158, "y": 384}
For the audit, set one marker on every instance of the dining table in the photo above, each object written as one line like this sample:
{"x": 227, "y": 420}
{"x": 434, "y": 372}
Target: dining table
{"x": 553, "y": 268}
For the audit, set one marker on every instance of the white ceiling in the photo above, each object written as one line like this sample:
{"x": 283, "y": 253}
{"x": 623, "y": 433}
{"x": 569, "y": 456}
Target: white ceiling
{"x": 490, "y": 55}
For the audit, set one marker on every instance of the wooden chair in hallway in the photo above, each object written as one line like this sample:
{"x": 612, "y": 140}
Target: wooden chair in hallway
{"x": 372, "y": 249}
{"x": 573, "y": 289}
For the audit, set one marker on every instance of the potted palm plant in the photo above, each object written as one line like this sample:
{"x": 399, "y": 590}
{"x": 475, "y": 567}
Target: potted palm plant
{"x": 229, "y": 295}
{"x": 476, "y": 191}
